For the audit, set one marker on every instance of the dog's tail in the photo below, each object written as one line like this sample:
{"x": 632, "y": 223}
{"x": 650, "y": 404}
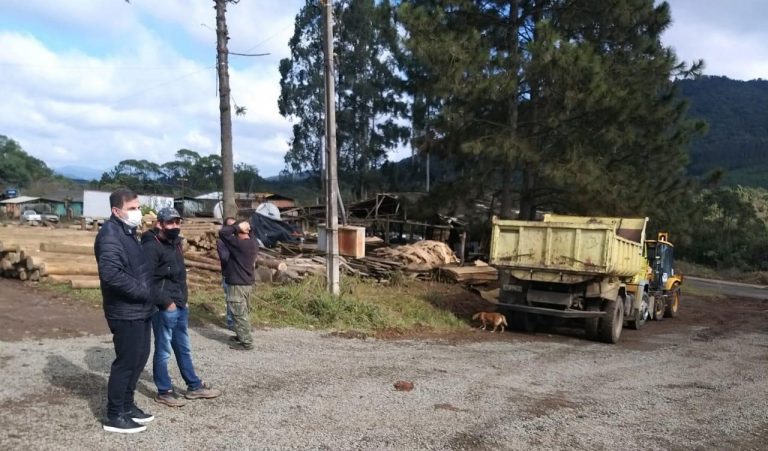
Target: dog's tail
{"x": 504, "y": 320}
{"x": 475, "y": 316}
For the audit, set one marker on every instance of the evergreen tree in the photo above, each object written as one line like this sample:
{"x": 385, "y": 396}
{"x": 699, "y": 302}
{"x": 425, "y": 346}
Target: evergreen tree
{"x": 571, "y": 101}
{"x": 369, "y": 99}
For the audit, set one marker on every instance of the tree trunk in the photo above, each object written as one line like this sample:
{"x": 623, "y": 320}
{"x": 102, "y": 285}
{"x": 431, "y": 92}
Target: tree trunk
{"x": 512, "y": 112}
{"x": 225, "y": 111}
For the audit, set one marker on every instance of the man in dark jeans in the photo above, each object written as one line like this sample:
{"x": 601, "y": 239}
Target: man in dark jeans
{"x": 162, "y": 247}
{"x": 238, "y": 274}
{"x": 124, "y": 277}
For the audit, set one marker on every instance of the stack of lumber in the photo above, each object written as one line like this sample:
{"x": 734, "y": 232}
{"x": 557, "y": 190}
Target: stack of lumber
{"x": 422, "y": 256}
{"x": 478, "y": 273}
{"x": 32, "y": 254}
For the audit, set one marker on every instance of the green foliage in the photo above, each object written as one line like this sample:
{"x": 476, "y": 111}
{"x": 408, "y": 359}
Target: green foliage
{"x": 369, "y": 92}
{"x": 722, "y": 228}
{"x": 17, "y": 168}
{"x": 570, "y": 103}
{"x": 738, "y": 128}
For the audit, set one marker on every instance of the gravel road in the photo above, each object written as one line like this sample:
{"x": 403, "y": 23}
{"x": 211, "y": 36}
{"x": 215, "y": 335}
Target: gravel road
{"x": 695, "y": 382}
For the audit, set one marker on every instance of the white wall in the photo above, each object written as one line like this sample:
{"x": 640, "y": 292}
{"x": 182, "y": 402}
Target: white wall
{"x": 96, "y": 203}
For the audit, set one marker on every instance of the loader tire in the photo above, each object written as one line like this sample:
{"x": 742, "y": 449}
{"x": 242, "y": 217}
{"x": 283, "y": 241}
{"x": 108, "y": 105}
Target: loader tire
{"x": 641, "y": 315}
{"x": 591, "y": 325}
{"x": 670, "y": 310}
{"x": 612, "y": 323}
{"x": 658, "y": 308}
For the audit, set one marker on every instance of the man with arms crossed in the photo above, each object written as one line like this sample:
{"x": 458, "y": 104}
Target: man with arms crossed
{"x": 124, "y": 277}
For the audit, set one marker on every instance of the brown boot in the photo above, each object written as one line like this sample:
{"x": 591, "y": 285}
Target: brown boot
{"x": 170, "y": 399}
{"x": 204, "y": 392}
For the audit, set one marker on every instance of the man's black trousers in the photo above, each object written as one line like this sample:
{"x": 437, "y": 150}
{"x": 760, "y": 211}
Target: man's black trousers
{"x": 132, "y": 341}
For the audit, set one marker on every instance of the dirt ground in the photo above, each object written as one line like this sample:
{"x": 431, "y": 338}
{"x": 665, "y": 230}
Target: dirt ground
{"x": 694, "y": 382}
{"x": 27, "y": 311}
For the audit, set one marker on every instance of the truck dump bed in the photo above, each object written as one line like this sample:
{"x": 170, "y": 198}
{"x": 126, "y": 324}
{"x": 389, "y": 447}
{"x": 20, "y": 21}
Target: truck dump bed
{"x": 569, "y": 249}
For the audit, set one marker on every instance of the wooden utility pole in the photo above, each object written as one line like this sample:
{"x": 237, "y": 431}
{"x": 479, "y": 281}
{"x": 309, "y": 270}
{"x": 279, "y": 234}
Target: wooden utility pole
{"x": 331, "y": 198}
{"x": 225, "y": 111}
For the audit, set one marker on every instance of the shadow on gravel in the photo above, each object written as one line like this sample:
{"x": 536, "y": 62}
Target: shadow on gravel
{"x": 89, "y": 386}
{"x": 99, "y": 360}
{"x": 215, "y": 334}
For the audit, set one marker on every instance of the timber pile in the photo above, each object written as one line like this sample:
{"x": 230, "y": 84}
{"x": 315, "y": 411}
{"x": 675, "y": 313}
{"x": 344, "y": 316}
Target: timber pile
{"x": 479, "y": 273}
{"x": 422, "y": 256}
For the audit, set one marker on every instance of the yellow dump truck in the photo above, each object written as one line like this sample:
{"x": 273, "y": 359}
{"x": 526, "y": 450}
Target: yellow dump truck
{"x": 593, "y": 268}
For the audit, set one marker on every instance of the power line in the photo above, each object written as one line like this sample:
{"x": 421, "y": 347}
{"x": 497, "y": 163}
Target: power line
{"x": 165, "y": 83}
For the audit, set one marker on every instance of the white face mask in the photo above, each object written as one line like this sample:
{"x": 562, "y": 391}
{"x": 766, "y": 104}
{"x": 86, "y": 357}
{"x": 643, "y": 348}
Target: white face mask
{"x": 134, "y": 218}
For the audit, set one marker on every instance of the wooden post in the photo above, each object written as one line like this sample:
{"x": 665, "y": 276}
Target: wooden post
{"x": 386, "y": 232}
{"x": 332, "y": 197}
{"x": 463, "y": 247}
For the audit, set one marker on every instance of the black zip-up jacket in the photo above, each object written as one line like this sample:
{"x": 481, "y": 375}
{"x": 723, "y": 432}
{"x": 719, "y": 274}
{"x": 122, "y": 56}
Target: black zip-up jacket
{"x": 123, "y": 272}
{"x": 239, "y": 268}
{"x": 168, "y": 272}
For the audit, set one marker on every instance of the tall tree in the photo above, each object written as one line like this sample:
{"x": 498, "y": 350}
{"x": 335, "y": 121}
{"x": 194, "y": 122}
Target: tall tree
{"x": 17, "y": 167}
{"x": 369, "y": 92}
{"x": 570, "y": 99}
{"x": 225, "y": 109}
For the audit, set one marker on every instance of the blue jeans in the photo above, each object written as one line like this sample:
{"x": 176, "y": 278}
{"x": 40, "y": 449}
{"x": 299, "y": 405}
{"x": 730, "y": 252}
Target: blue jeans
{"x": 230, "y": 319}
{"x": 171, "y": 333}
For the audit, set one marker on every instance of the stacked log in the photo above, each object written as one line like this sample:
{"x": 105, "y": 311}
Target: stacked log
{"x": 479, "y": 273}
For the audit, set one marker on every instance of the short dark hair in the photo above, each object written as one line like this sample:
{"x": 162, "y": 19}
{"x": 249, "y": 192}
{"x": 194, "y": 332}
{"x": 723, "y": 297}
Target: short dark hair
{"x": 229, "y": 220}
{"x": 120, "y": 196}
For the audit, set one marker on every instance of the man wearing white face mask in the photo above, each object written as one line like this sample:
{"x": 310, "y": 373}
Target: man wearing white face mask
{"x": 125, "y": 288}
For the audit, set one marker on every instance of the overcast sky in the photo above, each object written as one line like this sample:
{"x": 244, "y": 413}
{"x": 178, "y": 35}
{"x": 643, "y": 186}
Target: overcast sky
{"x": 93, "y": 82}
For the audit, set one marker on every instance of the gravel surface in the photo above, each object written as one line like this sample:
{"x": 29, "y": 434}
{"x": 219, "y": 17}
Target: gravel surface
{"x": 691, "y": 386}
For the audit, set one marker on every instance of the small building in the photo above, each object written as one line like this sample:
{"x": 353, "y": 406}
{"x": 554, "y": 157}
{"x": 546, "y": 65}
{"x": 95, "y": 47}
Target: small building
{"x": 12, "y": 208}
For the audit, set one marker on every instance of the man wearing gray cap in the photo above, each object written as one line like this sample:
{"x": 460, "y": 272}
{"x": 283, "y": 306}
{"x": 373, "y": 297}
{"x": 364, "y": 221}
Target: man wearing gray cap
{"x": 163, "y": 250}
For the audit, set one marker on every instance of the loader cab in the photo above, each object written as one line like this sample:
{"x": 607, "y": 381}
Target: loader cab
{"x": 660, "y": 253}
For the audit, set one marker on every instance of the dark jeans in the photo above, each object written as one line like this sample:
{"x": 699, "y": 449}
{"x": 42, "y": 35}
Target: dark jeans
{"x": 172, "y": 334}
{"x": 132, "y": 343}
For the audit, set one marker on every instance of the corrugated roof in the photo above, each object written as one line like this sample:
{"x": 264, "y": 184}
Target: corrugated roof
{"x": 19, "y": 200}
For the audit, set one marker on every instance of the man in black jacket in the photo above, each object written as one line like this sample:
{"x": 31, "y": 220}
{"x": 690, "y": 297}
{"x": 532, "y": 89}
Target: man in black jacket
{"x": 162, "y": 247}
{"x": 124, "y": 277}
{"x": 238, "y": 274}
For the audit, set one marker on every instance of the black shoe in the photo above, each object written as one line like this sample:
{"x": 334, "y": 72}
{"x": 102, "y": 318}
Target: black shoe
{"x": 123, "y": 425}
{"x": 139, "y": 416}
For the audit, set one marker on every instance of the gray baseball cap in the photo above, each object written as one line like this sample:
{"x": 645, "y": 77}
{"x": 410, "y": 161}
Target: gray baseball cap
{"x": 167, "y": 214}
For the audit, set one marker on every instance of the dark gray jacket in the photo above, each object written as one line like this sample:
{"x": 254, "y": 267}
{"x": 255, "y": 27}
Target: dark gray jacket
{"x": 123, "y": 272}
{"x": 169, "y": 274}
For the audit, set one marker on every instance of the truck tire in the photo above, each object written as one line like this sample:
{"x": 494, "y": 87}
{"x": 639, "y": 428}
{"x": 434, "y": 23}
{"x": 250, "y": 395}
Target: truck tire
{"x": 591, "y": 325}
{"x": 658, "y": 308}
{"x": 670, "y": 310}
{"x": 641, "y": 315}
{"x": 612, "y": 323}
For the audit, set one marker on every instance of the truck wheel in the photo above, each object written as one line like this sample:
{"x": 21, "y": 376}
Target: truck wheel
{"x": 658, "y": 308}
{"x": 612, "y": 323}
{"x": 674, "y": 303}
{"x": 591, "y": 324}
{"x": 641, "y": 315}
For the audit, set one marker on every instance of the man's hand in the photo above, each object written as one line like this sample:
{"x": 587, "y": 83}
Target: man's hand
{"x": 244, "y": 227}
{"x": 171, "y": 307}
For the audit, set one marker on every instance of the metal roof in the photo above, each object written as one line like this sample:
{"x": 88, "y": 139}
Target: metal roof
{"x": 19, "y": 200}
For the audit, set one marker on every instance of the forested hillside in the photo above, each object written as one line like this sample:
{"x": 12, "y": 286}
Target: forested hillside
{"x": 737, "y": 141}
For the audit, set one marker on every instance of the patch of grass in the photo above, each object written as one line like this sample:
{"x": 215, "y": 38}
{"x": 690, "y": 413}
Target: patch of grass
{"x": 363, "y": 306}
{"x": 732, "y": 274}
{"x": 88, "y": 295}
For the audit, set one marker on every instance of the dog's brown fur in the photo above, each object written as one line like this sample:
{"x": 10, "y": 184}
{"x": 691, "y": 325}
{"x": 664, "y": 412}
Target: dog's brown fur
{"x": 497, "y": 319}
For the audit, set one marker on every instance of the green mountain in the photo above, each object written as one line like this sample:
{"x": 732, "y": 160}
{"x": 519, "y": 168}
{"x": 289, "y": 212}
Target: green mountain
{"x": 737, "y": 141}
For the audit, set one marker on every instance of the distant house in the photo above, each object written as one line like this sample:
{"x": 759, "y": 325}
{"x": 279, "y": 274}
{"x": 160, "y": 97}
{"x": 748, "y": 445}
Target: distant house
{"x": 252, "y": 200}
{"x": 14, "y": 207}
{"x": 189, "y": 206}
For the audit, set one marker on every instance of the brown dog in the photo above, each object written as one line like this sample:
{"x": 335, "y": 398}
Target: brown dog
{"x": 497, "y": 319}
